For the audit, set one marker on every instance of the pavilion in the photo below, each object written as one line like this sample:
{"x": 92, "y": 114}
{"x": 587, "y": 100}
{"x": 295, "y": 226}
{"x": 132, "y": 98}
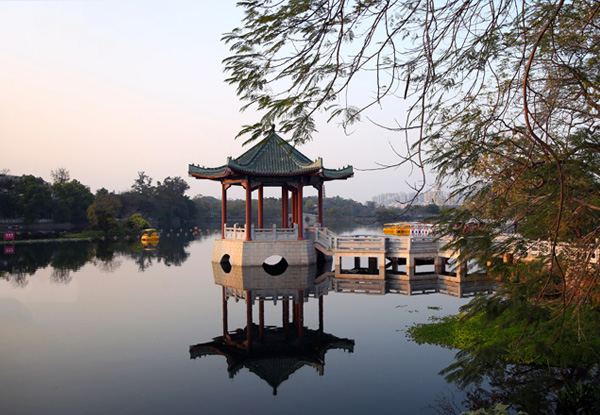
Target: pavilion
{"x": 272, "y": 162}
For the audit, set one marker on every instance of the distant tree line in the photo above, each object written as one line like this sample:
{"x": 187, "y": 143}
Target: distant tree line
{"x": 65, "y": 200}
{"x": 333, "y": 208}
{"x": 33, "y": 199}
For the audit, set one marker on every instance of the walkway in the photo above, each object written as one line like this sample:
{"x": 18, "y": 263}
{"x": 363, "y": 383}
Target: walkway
{"x": 414, "y": 250}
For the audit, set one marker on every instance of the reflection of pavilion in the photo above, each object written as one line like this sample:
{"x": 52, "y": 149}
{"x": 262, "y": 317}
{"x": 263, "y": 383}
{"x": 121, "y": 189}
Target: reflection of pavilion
{"x": 433, "y": 285}
{"x": 272, "y": 353}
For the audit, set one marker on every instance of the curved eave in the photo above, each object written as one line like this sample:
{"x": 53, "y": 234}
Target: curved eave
{"x": 337, "y": 174}
{"x": 215, "y": 173}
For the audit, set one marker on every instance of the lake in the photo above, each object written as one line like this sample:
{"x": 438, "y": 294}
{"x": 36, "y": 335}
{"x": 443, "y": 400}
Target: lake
{"x": 109, "y": 327}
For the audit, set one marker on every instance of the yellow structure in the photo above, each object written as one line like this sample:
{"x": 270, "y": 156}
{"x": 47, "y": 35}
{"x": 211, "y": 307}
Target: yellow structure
{"x": 397, "y": 229}
{"x": 150, "y": 236}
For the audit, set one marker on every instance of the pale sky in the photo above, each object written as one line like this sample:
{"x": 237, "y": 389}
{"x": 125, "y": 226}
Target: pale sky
{"x": 106, "y": 89}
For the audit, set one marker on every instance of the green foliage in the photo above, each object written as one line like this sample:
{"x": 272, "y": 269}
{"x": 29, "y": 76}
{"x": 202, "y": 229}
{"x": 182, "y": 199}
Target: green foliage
{"x": 502, "y": 95}
{"x": 34, "y": 198}
{"x": 515, "y": 331}
{"x": 511, "y": 351}
{"x": 103, "y": 213}
{"x": 10, "y": 204}
{"x": 166, "y": 202}
{"x": 136, "y": 223}
{"x": 498, "y": 409}
{"x": 579, "y": 398}
{"x": 71, "y": 201}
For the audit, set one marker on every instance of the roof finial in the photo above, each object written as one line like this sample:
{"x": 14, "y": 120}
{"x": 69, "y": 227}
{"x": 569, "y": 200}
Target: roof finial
{"x": 272, "y": 127}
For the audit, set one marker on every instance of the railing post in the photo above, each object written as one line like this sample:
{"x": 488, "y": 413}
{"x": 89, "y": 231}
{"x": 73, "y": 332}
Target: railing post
{"x": 275, "y": 231}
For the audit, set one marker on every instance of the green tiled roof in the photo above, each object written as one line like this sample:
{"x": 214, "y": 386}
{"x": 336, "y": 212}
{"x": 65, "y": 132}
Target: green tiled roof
{"x": 272, "y": 157}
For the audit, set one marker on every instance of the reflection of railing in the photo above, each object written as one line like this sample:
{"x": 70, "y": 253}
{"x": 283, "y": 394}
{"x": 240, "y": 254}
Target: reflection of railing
{"x": 262, "y": 234}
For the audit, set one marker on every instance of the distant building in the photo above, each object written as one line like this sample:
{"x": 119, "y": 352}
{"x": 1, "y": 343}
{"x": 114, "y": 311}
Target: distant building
{"x": 427, "y": 197}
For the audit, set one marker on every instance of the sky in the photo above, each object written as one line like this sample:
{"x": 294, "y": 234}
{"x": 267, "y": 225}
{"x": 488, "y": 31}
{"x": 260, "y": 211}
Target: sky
{"x": 106, "y": 89}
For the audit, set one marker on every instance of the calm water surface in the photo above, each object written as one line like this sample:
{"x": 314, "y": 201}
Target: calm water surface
{"x": 111, "y": 333}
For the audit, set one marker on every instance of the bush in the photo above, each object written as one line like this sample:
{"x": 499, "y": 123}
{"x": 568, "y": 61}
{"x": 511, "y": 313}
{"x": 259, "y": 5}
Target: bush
{"x": 136, "y": 223}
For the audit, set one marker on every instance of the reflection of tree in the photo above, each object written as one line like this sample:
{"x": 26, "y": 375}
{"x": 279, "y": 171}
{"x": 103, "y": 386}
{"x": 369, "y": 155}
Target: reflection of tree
{"x": 533, "y": 389}
{"x": 27, "y": 259}
{"x": 70, "y": 256}
{"x": 144, "y": 259}
{"x": 172, "y": 250}
{"x": 61, "y": 276}
{"x": 108, "y": 266}
{"x": 17, "y": 279}
{"x": 104, "y": 250}
{"x": 512, "y": 353}
{"x": 65, "y": 257}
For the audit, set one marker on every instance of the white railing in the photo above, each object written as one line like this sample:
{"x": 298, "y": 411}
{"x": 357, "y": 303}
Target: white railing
{"x": 359, "y": 243}
{"x": 413, "y": 244}
{"x": 262, "y": 234}
{"x": 275, "y": 234}
{"x": 421, "y": 241}
{"x": 323, "y": 237}
{"x": 236, "y": 232}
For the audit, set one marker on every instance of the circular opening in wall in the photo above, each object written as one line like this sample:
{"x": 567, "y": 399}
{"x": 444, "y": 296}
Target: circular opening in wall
{"x": 275, "y": 265}
{"x": 226, "y": 264}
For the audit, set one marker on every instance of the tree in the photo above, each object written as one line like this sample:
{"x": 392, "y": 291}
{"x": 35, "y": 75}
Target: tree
{"x": 103, "y": 213}
{"x": 60, "y": 175}
{"x": 136, "y": 223}
{"x": 173, "y": 204}
{"x": 9, "y": 200}
{"x": 143, "y": 184}
{"x": 34, "y": 198}
{"x": 503, "y": 102}
{"x": 71, "y": 201}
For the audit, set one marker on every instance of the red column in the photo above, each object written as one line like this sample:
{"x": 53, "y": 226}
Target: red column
{"x": 225, "y": 314}
{"x": 299, "y": 213}
{"x": 249, "y": 317}
{"x": 284, "y": 206}
{"x": 223, "y": 209}
{"x": 301, "y": 315}
{"x": 321, "y": 314}
{"x": 295, "y": 314}
{"x": 285, "y": 304}
{"x": 260, "y": 206}
{"x": 293, "y": 205}
{"x": 248, "y": 211}
{"x": 321, "y": 204}
{"x": 261, "y": 320}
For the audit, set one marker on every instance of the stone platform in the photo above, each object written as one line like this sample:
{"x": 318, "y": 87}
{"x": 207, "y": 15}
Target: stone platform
{"x": 254, "y": 253}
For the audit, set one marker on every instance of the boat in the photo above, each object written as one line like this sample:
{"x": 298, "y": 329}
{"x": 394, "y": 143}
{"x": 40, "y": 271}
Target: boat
{"x": 397, "y": 228}
{"x": 150, "y": 235}
{"x": 409, "y": 229}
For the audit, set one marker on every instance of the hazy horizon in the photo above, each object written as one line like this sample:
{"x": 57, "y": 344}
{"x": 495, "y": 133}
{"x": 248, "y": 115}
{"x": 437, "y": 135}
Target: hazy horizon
{"x": 107, "y": 89}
